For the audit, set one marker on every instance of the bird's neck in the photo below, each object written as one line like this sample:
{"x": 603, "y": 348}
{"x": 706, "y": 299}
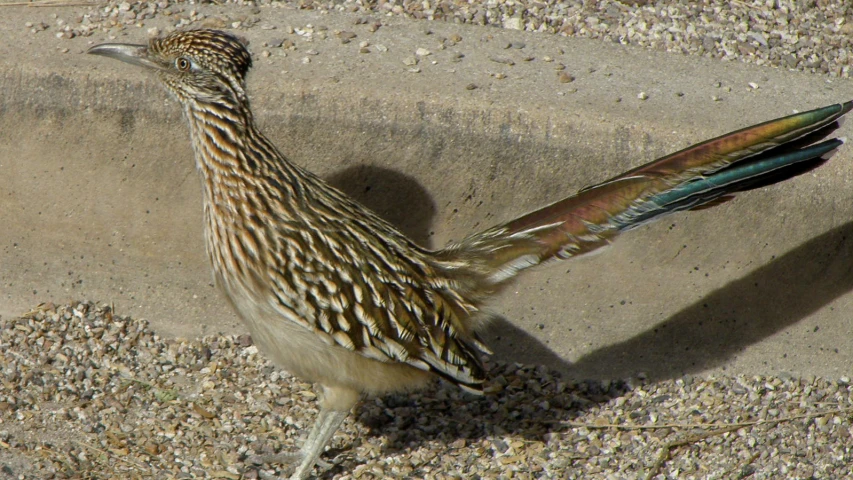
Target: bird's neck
{"x": 231, "y": 153}
{"x": 246, "y": 182}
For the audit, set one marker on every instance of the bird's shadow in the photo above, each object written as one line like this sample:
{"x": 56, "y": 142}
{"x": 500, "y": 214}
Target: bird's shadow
{"x": 745, "y": 311}
{"x": 394, "y": 196}
{"x": 703, "y": 335}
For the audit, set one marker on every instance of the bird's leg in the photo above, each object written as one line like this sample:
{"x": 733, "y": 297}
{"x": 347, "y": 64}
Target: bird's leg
{"x": 302, "y": 455}
{"x": 335, "y": 405}
{"x": 327, "y": 424}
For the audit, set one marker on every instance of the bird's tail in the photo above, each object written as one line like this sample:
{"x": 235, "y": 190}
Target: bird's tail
{"x": 700, "y": 176}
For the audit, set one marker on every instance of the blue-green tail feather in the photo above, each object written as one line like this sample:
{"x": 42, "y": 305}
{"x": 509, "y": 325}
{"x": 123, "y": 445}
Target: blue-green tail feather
{"x": 702, "y": 191}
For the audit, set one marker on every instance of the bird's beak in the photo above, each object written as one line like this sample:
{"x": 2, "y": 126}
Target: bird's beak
{"x": 133, "y": 54}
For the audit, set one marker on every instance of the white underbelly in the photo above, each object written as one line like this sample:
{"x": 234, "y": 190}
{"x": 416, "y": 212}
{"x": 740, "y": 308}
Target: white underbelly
{"x": 304, "y": 353}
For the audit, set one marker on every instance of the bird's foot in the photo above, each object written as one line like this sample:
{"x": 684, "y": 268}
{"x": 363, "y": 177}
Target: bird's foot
{"x": 287, "y": 458}
{"x": 292, "y": 460}
{"x": 280, "y": 457}
{"x": 308, "y": 456}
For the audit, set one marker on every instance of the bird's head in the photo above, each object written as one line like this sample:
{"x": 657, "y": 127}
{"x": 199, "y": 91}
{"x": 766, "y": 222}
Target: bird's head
{"x": 201, "y": 65}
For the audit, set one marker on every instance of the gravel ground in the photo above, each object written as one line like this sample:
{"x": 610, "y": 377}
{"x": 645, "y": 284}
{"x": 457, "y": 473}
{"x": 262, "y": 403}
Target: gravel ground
{"x": 90, "y": 394}
{"x": 85, "y": 393}
{"x": 813, "y": 35}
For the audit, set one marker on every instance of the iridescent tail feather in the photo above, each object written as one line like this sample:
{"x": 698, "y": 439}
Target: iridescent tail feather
{"x": 700, "y": 176}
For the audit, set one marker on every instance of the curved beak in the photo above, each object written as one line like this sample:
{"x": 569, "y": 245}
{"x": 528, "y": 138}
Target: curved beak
{"x": 133, "y": 54}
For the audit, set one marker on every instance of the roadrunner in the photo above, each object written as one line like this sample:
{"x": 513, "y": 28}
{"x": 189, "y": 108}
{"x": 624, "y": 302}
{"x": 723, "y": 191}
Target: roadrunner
{"x": 338, "y": 296}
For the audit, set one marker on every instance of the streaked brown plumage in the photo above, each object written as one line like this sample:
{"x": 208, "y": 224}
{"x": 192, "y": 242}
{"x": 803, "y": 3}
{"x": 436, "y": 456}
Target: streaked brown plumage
{"x": 338, "y": 296}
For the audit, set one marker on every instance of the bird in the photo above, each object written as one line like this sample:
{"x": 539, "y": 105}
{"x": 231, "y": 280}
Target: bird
{"x": 339, "y": 297}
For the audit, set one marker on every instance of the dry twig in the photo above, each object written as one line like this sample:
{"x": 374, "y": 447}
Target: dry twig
{"x": 666, "y": 450}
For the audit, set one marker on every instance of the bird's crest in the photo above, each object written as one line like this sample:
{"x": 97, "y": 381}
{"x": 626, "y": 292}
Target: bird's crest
{"x": 211, "y": 49}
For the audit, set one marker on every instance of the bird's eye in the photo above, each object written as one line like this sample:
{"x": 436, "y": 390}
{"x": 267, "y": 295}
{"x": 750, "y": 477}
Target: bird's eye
{"x": 183, "y": 64}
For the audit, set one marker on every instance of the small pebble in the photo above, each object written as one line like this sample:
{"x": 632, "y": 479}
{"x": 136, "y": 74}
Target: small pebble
{"x": 504, "y": 60}
{"x": 514, "y": 23}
